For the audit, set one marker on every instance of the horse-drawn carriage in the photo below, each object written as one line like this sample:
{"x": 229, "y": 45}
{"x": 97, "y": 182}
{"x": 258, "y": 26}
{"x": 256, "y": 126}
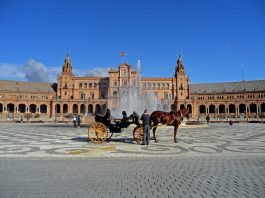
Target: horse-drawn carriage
{"x": 102, "y": 129}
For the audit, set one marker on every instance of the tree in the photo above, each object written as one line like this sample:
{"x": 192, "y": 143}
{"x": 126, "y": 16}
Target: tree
{"x": 28, "y": 116}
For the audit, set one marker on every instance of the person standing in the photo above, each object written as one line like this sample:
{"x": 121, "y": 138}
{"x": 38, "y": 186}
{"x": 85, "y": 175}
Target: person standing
{"x": 74, "y": 120}
{"x": 78, "y": 121}
{"x": 208, "y": 119}
{"x": 146, "y": 121}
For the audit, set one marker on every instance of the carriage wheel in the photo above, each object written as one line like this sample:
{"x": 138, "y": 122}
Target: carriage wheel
{"x": 138, "y": 134}
{"x": 97, "y": 132}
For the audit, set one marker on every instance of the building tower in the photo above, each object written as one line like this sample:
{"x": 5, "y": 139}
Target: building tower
{"x": 65, "y": 87}
{"x": 182, "y": 85}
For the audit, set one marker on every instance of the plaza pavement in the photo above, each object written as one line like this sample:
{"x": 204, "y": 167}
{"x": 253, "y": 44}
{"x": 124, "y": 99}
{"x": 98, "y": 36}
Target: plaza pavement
{"x": 40, "y": 160}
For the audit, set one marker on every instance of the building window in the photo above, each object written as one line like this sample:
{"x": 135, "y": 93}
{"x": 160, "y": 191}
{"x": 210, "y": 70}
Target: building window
{"x": 92, "y": 95}
{"x": 166, "y": 95}
{"x": 83, "y": 96}
{"x": 80, "y": 85}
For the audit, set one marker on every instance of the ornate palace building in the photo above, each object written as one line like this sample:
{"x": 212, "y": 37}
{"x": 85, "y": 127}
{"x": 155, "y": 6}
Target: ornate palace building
{"x": 243, "y": 100}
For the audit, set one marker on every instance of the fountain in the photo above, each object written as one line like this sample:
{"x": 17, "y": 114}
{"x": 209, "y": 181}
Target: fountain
{"x": 134, "y": 99}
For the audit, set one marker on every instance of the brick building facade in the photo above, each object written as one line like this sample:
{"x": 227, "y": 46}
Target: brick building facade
{"x": 243, "y": 100}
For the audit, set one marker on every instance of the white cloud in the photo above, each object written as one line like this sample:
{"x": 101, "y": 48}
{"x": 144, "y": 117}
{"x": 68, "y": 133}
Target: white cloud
{"x": 36, "y": 71}
{"x": 31, "y": 71}
{"x": 101, "y": 72}
{"x": 10, "y": 71}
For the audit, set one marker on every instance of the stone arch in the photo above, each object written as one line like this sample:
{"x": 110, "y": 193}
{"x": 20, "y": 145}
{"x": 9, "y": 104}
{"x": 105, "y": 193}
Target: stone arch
{"x": 65, "y": 108}
{"x": 32, "y": 108}
{"x": 262, "y": 108}
{"x": 10, "y": 108}
{"x": 115, "y": 93}
{"x": 43, "y": 108}
{"x": 98, "y": 109}
{"x": 22, "y": 108}
{"x": 75, "y": 108}
{"x": 212, "y": 108}
{"x": 57, "y": 108}
{"x": 190, "y": 108}
{"x": 90, "y": 108}
{"x": 182, "y": 106}
{"x": 232, "y": 108}
{"x": 82, "y": 109}
{"x": 1, "y": 107}
{"x": 253, "y": 108}
{"x": 221, "y": 108}
{"x": 242, "y": 108}
{"x": 202, "y": 109}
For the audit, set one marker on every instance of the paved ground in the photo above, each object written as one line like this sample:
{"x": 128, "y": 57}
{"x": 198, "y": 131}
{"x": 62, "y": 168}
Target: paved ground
{"x": 58, "y": 161}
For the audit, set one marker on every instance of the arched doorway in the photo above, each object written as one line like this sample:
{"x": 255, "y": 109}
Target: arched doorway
{"x": 182, "y": 106}
{"x": 232, "y": 108}
{"x": 32, "y": 108}
{"x": 1, "y": 107}
{"x": 43, "y": 108}
{"x": 115, "y": 93}
{"x": 212, "y": 109}
{"x": 190, "y": 108}
{"x": 253, "y": 108}
{"x": 22, "y": 108}
{"x": 242, "y": 108}
{"x": 82, "y": 109}
{"x": 65, "y": 108}
{"x": 75, "y": 108}
{"x": 97, "y": 108}
{"x": 57, "y": 108}
{"x": 202, "y": 109}
{"x": 10, "y": 108}
{"x": 262, "y": 108}
{"x": 221, "y": 108}
{"x": 90, "y": 108}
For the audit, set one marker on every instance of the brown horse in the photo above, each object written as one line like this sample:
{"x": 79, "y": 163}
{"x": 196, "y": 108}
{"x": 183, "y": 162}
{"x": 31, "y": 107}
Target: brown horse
{"x": 169, "y": 119}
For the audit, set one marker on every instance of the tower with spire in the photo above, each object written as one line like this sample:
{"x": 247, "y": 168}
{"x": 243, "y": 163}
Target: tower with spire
{"x": 182, "y": 83}
{"x": 64, "y": 82}
{"x": 67, "y": 67}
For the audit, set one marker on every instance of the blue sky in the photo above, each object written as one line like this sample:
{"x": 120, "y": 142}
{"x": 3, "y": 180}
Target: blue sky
{"x": 220, "y": 40}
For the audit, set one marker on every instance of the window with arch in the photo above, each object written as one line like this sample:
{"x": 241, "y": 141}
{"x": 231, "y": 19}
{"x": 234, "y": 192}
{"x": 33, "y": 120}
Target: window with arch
{"x": 115, "y": 93}
{"x": 80, "y": 85}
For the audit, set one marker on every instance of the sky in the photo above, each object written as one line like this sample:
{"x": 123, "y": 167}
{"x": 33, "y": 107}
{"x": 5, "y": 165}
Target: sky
{"x": 219, "y": 40}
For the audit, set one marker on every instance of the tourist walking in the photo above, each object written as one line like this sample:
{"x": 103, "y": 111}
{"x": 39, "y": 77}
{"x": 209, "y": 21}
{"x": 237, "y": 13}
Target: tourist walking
{"x": 146, "y": 122}
{"x": 208, "y": 119}
{"x": 78, "y": 121}
{"x": 74, "y": 121}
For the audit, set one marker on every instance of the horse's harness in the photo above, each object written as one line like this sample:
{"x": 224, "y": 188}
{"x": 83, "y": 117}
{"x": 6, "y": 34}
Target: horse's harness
{"x": 176, "y": 117}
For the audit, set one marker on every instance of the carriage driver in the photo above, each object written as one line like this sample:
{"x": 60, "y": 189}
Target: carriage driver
{"x": 146, "y": 122}
{"x": 108, "y": 117}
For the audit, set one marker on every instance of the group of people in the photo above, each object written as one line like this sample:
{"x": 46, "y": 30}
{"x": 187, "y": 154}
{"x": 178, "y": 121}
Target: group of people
{"x": 145, "y": 119}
